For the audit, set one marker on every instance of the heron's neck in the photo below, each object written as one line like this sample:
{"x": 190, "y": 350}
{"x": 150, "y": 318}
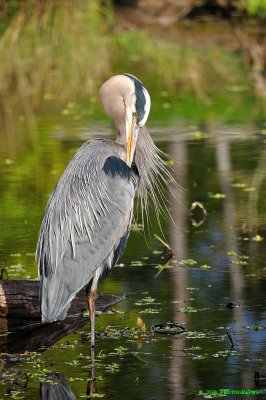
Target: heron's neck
{"x": 121, "y": 139}
{"x": 121, "y": 149}
{"x": 121, "y": 132}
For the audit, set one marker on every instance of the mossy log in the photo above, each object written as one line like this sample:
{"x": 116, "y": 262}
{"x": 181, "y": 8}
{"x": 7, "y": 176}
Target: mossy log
{"x": 20, "y": 299}
{"x": 20, "y": 317}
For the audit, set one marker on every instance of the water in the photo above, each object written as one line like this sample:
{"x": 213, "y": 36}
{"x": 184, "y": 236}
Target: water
{"x": 219, "y": 252}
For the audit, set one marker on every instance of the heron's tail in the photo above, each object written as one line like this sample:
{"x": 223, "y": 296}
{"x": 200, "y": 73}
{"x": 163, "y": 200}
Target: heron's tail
{"x": 55, "y": 299}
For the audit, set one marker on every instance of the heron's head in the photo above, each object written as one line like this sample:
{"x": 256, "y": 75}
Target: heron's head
{"x": 127, "y": 102}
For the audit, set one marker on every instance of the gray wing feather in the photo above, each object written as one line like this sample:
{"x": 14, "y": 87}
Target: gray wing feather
{"x": 86, "y": 218}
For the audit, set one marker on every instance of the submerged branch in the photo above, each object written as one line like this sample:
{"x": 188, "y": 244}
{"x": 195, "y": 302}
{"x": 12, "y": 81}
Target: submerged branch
{"x": 166, "y": 245}
{"x": 230, "y": 338}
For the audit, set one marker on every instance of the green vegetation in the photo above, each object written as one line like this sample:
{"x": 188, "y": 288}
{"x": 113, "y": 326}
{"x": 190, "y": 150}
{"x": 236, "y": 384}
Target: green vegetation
{"x": 256, "y": 7}
{"x": 50, "y": 50}
{"x": 55, "y": 54}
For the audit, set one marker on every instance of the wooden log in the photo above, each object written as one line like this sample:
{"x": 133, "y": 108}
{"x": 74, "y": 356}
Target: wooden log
{"x": 36, "y": 336}
{"x": 20, "y": 317}
{"x": 20, "y": 299}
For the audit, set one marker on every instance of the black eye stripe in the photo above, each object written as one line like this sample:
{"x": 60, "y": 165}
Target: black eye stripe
{"x": 140, "y": 97}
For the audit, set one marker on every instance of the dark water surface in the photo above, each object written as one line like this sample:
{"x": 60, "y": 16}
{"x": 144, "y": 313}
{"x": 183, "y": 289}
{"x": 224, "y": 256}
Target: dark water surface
{"x": 219, "y": 259}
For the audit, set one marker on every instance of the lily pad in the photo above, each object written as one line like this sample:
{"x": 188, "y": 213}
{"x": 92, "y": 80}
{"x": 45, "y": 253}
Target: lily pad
{"x": 169, "y": 328}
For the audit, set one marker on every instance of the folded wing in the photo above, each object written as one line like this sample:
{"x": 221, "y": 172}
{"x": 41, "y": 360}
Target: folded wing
{"x": 85, "y": 226}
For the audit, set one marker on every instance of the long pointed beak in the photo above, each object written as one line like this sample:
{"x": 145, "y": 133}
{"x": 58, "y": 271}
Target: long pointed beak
{"x": 132, "y": 134}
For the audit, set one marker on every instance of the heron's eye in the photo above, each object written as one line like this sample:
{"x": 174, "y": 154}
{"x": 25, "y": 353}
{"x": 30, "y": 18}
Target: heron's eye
{"x": 135, "y": 114}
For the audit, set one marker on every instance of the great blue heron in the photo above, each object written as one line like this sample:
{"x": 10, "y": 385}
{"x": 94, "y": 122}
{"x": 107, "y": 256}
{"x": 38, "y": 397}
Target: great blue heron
{"x": 88, "y": 216}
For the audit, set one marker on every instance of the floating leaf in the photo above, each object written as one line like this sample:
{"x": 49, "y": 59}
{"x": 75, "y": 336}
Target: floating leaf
{"x": 121, "y": 350}
{"x": 224, "y": 353}
{"x": 141, "y": 325}
{"x": 163, "y": 266}
{"x": 145, "y": 301}
{"x": 112, "y": 368}
{"x": 187, "y": 310}
{"x": 120, "y": 265}
{"x": 192, "y": 289}
{"x": 245, "y": 238}
{"x": 216, "y": 196}
{"x": 198, "y": 356}
{"x": 188, "y": 261}
{"x": 232, "y": 253}
{"x": 205, "y": 267}
{"x": 136, "y": 263}
{"x": 255, "y": 327}
{"x": 193, "y": 348}
{"x": 257, "y": 238}
{"x": 74, "y": 379}
{"x": 170, "y": 328}
{"x": 239, "y": 185}
{"x": 149, "y": 311}
{"x": 196, "y": 335}
{"x": 240, "y": 262}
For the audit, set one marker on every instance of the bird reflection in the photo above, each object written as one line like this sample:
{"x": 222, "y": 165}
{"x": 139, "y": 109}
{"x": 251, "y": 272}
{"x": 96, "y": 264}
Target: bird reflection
{"x": 58, "y": 390}
{"x": 91, "y": 386}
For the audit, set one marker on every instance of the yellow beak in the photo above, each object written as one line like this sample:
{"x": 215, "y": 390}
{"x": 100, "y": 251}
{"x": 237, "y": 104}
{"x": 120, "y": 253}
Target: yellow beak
{"x": 132, "y": 135}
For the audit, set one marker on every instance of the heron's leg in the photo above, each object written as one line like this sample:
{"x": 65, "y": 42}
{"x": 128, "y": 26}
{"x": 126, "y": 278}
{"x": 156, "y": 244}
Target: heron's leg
{"x": 91, "y": 297}
{"x": 91, "y": 386}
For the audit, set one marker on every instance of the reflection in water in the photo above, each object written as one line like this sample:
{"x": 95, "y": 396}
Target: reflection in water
{"x": 56, "y": 385}
{"x": 230, "y": 267}
{"x": 164, "y": 367}
{"x": 57, "y": 390}
{"x": 178, "y": 152}
{"x": 91, "y": 386}
{"x": 257, "y": 180}
{"x": 224, "y": 168}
